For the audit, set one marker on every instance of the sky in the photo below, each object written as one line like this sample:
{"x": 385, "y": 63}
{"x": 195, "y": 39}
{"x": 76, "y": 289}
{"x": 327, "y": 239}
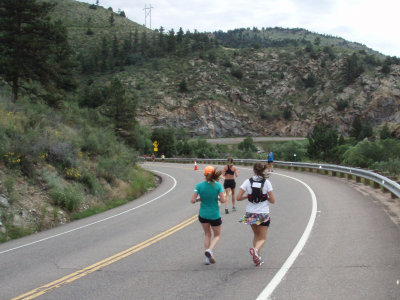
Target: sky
{"x": 374, "y": 23}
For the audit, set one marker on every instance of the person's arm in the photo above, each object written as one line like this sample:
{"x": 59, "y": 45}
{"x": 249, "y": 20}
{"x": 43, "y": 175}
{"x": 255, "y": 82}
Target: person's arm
{"x": 271, "y": 197}
{"x": 240, "y": 196}
{"x": 194, "y": 197}
{"x": 222, "y": 198}
{"x": 236, "y": 172}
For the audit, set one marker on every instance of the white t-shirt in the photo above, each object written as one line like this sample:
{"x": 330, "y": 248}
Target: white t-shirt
{"x": 261, "y": 207}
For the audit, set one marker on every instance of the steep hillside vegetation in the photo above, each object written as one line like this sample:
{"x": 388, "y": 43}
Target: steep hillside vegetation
{"x": 273, "y": 81}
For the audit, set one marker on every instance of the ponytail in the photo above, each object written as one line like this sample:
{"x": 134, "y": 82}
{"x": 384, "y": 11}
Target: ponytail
{"x": 259, "y": 170}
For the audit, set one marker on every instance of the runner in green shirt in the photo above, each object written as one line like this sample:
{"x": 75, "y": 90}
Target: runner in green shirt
{"x": 209, "y": 214}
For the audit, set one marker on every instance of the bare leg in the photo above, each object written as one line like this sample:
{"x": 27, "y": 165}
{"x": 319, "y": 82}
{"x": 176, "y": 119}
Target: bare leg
{"x": 217, "y": 234}
{"x": 227, "y": 193}
{"x": 207, "y": 234}
{"x": 209, "y": 241}
{"x": 233, "y": 198}
{"x": 260, "y": 236}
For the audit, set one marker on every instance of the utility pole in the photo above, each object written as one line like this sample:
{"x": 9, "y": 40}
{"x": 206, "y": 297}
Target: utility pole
{"x": 147, "y": 13}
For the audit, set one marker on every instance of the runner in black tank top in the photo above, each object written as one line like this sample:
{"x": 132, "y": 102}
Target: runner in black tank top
{"x": 230, "y": 171}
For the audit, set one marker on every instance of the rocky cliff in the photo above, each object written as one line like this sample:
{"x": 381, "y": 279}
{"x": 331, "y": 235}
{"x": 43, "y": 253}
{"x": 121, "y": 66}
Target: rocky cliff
{"x": 280, "y": 93}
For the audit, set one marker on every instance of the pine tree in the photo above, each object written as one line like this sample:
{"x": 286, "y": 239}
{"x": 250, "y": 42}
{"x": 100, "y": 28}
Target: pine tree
{"x": 121, "y": 109}
{"x": 322, "y": 143}
{"x": 111, "y": 19}
{"x": 171, "y": 41}
{"x": 33, "y": 48}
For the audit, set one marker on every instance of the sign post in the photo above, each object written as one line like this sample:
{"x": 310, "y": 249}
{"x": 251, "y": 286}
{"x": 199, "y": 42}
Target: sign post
{"x": 155, "y": 144}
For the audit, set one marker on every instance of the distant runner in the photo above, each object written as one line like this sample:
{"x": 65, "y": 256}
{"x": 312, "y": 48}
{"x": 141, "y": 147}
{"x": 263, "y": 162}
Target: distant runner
{"x": 230, "y": 171}
{"x": 270, "y": 160}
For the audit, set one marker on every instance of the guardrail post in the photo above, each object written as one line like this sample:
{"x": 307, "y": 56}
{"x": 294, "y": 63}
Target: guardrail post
{"x": 358, "y": 179}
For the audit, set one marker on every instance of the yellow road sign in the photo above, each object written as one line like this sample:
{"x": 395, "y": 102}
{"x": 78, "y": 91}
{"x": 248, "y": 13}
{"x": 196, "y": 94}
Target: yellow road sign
{"x": 155, "y": 144}
{"x": 155, "y": 149}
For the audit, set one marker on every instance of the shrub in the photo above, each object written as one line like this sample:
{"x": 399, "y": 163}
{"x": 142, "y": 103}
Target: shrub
{"x": 341, "y": 105}
{"x": 287, "y": 113}
{"x": 67, "y": 197}
{"x": 392, "y": 166}
{"x": 111, "y": 168}
{"x": 183, "y": 86}
{"x": 92, "y": 184}
{"x": 286, "y": 151}
{"x": 385, "y": 132}
{"x": 363, "y": 155}
{"x": 99, "y": 141}
{"x": 237, "y": 72}
{"x": 61, "y": 152}
{"x": 141, "y": 182}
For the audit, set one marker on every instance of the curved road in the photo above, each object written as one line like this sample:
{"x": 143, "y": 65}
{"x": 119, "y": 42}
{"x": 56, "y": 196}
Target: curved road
{"x": 326, "y": 241}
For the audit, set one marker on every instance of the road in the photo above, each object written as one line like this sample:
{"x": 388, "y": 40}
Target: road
{"x": 326, "y": 241}
{"x": 237, "y": 140}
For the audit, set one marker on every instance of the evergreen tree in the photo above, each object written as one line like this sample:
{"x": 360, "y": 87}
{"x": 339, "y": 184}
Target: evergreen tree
{"x": 352, "y": 69}
{"x": 356, "y": 127}
{"x": 171, "y": 41}
{"x": 144, "y": 47}
{"x": 135, "y": 45}
{"x": 111, "y": 19}
{"x": 161, "y": 40}
{"x": 104, "y": 53}
{"x": 121, "y": 109}
{"x": 166, "y": 139}
{"x": 33, "y": 48}
{"x": 179, "y": 36}
{"x": 385, "y": 132}
{"x": 322, "y": 143}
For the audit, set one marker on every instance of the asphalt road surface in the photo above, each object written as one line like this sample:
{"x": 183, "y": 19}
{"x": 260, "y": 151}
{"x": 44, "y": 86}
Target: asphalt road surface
{"x": 326, "y": 241}
{"x": 237, "y": 140}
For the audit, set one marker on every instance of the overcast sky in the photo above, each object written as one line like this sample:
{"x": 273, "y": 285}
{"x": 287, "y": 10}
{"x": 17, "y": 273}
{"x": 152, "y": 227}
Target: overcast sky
{"x": 374, "y": 23}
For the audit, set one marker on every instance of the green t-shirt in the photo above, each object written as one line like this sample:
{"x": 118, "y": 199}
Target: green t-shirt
{"x": 208, "y": 192}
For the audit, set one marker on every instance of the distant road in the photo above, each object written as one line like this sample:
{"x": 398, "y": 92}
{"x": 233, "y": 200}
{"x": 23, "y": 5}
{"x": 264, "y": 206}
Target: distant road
{"x": 237, "y": 140}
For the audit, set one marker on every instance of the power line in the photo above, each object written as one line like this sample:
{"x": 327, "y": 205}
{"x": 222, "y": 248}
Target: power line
{"x": 147, "y": 13}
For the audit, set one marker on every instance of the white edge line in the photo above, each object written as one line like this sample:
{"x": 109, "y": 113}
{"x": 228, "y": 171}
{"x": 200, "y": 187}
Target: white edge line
{"x": 99, "y": 221}
{"x": 276, "y": 280}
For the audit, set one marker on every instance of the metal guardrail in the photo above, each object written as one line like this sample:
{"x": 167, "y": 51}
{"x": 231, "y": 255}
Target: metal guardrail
{"x": 369, "y": 176}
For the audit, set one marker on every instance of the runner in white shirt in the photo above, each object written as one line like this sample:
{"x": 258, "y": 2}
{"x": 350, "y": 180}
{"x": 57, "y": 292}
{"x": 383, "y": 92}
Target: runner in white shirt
{"x": 259, "y": 194}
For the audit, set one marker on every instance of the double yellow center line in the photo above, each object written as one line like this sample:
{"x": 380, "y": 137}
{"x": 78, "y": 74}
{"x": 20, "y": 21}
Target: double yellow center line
{"x": 101, "y": 264}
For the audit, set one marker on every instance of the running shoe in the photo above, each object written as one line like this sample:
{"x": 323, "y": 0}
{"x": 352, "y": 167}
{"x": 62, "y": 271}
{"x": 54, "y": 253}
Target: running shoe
{"x": 226, "y": 211}
{"x": 207, "y": 262}
{"x": 260, "y": 262}
{"x": 256, "y": 258}
{"x": 209, "y": 255}
{"x": 234, "y": 208}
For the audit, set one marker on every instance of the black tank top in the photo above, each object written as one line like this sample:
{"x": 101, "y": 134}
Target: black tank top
{"x": 229, "y": 171}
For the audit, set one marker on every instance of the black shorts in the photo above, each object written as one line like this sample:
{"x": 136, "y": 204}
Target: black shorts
{"x": 215, "y": 222}
{"x": 229, "y": 183}
{"x": 266, "y": 223}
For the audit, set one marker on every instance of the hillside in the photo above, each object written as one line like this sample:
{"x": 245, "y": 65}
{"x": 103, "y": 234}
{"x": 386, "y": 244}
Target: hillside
{"x": 284, "y": 85}
{"x": 281, "y": 37}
